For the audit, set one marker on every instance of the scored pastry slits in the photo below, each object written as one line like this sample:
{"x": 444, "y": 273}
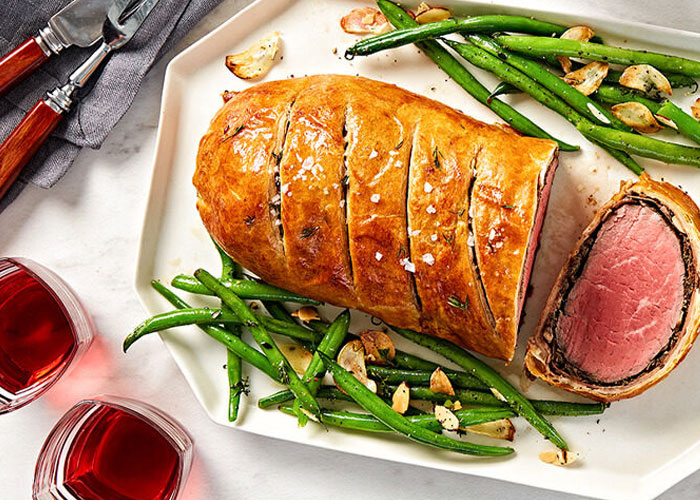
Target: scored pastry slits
{"x": 438, "y": 203}
{"x": 313, "y": 197}
{"x": 377, "y": 172}
{"x": 237, "y": 156}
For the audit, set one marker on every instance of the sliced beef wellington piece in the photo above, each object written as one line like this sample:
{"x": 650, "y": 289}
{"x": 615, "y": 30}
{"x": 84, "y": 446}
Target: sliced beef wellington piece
{"x": 364, "y": 195}
{"x": 625, "y": 309}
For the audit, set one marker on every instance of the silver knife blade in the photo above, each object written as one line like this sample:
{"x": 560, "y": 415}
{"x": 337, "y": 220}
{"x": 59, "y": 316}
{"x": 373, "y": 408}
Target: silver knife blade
{"x": 80, "y": 22}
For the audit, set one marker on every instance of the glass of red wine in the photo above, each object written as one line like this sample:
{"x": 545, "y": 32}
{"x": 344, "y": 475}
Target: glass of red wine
{"x": 43, "y": 330}
{"x": 113, "y": 449}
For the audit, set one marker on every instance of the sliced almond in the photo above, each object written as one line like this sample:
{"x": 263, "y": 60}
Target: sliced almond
{"x": 440, "y": 383}
{"x": 559, "y": 457}
{"x": 422, "y": 7}
{"x": 432, "y": 15}
{"x": 401, "y": 398}
{"x": 637, "y": 116}
{"x": 587, "y": 79}
{"x": 498, "y": 395}
{"x": 447, "y": 419}
{"x": 695, "y": 109}
{"x": 297, "y": 356}
{"x": 647, "y": 79}
{"x": 364, "y": 21}
{"x": 306, "y": 314}
{"x": 499, "y": 429}
{"x": 257, "y": 60}
{"x": 352, "y": 358}
{"x": 379, "y": 348}
{"x": 580, "y": 33}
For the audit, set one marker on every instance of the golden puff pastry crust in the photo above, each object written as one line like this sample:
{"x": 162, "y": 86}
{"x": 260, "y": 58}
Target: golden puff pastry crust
{"x": 364, "y": 195}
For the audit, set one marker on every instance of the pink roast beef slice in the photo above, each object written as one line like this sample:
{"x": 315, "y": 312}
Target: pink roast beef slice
{"x": 621, "y": 311}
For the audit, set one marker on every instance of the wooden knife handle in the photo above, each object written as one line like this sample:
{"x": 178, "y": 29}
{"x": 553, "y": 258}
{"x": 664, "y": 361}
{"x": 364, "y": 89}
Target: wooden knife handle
{"x": 24, "y": 141}
{"x": 19, "y": 63}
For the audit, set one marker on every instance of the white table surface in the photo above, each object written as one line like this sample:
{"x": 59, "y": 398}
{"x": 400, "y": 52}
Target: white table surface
{"x": 86, "y": 228}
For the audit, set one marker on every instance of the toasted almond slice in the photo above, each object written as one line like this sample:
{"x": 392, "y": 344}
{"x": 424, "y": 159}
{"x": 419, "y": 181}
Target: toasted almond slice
{"x": 401, "y": 398}
{"x": 297, "y": 356}
{"x": 637, "y": 116}
{"x": 499, "y": 429}
{"x": 352, "y": 358}
{"x": 580, "y": 33}
{"x": 306, "y": 314}
{"x": 559, "y": 457}
{"x": 257, "y": 60}
{"x": 447, "y": 419}
{"x": 587, "y": 79}
{"x": 695, "y": 109}
{"x": 432, "y": 15}
{"x": 440, "y": 383}
{"x": 647, "y": 79}
{"x": 364, "y": 21}
{"x": 379, "y": 348}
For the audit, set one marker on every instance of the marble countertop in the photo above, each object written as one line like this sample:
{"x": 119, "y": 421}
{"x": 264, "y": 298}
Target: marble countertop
{"x": 86, "y": 229}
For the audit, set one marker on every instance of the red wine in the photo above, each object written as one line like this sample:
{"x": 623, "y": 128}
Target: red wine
{"x": 36, "y": 336}
{"x": 120, "y": 456}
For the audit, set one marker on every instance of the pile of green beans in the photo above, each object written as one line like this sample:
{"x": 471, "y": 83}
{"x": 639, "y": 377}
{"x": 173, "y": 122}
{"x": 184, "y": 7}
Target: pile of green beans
{"x": 400, "y": 19}
{"x": 500, "y": 386}
{"x": 499, "y": 55}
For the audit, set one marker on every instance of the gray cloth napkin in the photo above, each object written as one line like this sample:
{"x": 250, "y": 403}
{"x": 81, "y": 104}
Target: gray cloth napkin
{"x": 94, "y": 115}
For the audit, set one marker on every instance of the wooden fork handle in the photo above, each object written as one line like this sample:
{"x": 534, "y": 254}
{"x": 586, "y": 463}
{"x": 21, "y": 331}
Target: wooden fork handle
{"x": 19, "y": 63}
{"x": 24, "y": 141}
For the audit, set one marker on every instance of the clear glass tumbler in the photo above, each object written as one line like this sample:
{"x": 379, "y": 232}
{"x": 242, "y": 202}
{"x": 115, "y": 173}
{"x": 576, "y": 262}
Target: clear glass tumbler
{"x": 111, "y": 448}
{"x": 44, "y": 329}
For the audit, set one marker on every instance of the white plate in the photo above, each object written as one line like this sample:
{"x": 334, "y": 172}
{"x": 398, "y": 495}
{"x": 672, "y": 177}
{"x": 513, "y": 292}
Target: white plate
{"x": 637, "y": 449}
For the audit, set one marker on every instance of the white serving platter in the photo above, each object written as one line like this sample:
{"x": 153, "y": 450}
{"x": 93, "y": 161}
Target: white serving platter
{"x": 636, "y": 450}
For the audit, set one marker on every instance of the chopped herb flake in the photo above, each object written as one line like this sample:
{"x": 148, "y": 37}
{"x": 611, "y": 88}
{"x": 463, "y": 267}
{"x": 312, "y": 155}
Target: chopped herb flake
{"x": 238, "y": 130}
{"x": 309, "y": 231}
{"x": 249, "y": 221}
{"x": 436, "y": 158}
{"x": 455, "y": 302}
{"x": 509, "y": 207}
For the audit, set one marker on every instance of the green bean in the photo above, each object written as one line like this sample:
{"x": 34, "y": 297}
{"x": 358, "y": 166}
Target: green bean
{"x": 686, "y": 124}
{"x": 400, "y": 19}
{"x": 397, "y": 422}
{"x": 278, "y": 312}
{"x": 246, "y": 289}
{"x": 422, "y": 377}
{"x": 413, "y": 362}
{"x": 264, "y": 340}
{"x": 676, "y": 81}
{"x": 368, "y": 423}
{"x": 232, "y": 342}
{"x": 545, "y": 407}
{"x": 206, "y": 316}
{"x": 544, "y": 46}
{"x": 429, "y": 31}
{"x": 580, "y": 102}
{"x": 329, "y": 346}
{"x": 234, "y": 367}
{"x": 499, "y": 386}
{"x": 642, "y": 145}
{"x": 614, "y": 94}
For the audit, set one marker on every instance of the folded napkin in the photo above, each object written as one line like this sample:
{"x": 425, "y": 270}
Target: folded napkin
{"x": 97, "y": 111}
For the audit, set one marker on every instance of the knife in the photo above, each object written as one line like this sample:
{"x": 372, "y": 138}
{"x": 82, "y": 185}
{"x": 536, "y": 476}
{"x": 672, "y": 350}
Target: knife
{"x": 78, "y": 23}
{"x": 124, "y": 18}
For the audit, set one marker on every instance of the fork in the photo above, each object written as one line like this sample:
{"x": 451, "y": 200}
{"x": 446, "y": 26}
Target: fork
{"x": 124, "y": 18}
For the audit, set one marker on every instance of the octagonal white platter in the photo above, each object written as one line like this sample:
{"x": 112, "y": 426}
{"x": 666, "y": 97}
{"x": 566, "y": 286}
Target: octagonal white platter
{"x": 637, "y": 449}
